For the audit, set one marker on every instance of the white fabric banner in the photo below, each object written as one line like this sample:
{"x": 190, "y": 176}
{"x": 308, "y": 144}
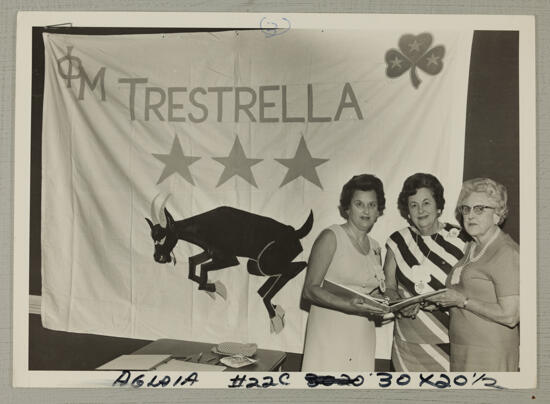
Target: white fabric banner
{"x": 270, "y": 124}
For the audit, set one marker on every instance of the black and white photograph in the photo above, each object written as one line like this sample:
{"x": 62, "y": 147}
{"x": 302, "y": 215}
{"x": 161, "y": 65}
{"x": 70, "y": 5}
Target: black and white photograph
{"x": 330, "y": 201}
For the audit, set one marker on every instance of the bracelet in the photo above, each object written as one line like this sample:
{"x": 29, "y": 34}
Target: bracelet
{"x": 465, "y": 302}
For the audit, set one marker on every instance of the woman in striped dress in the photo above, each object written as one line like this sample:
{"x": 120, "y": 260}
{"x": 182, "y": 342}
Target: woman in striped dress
{"x": 418, "y": 260}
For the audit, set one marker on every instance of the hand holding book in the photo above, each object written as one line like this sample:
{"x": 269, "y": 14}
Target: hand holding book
{"x": 450, "y": 298}
{"x": 398, "y": 305}
{"x": 363, "y": 306}
{"x": 410, "y": 311}
{"x": 429, "y": 306}
{"x": 374, "y": 305}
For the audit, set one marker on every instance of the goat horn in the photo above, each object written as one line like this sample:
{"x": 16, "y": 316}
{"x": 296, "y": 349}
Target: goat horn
{"x": 154, "y": 217}
{"x": 161, "y": 210}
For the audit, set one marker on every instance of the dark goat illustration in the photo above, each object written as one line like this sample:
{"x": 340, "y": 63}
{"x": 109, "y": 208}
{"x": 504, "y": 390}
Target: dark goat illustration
{"x": 225, "y": 233}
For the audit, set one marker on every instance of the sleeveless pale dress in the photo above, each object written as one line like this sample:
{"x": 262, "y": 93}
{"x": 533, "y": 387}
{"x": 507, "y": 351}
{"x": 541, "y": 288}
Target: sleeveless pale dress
{"x": 336, "y": 341}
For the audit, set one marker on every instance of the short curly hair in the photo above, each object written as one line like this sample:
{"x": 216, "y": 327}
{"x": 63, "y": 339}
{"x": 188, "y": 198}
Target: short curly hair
{"x": 494, "y": 191}
{"x": 362, "y": 182}
{"x": 411, "y": 186}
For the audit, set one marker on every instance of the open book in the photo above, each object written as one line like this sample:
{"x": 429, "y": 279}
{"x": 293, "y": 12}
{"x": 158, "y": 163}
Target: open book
{"x": 394, "y": 305}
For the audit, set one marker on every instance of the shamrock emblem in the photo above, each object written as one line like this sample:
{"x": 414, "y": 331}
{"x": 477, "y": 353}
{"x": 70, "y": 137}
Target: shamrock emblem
{"x": 415, "y": 51}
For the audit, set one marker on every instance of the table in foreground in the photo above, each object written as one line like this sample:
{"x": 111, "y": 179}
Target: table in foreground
{"x": 267, "y": 359}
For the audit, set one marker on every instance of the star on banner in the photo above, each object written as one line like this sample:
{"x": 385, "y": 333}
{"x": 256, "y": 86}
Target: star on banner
{"x": 302, "y": 165}
{"x": 432, "y": 59}
{"x": 414, "y": 46}
{"x": 176, "y": 162}
{"x": 396, "y": 62}
{"x": 237, "y": 164}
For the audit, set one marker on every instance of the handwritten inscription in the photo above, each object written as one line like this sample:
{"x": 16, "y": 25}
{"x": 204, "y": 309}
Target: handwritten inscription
{"x": 251, "y": 382}
{"x": 386, "y": 380}
{"x": 382, "y": 379}
{"x": 141, "y": 379}
{"x": 274, "y": 26}
{"x": 344, "y": 380}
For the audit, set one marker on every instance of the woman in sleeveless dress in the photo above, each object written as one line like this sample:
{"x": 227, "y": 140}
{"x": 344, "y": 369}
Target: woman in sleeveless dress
{"x": 340, "y": 333}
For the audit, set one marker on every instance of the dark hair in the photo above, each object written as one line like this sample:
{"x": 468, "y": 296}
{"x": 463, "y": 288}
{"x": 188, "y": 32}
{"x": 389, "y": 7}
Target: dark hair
{"x": 411, "y": 187}
{"x": 362, "y": 182}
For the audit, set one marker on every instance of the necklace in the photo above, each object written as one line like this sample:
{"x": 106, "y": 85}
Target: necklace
{"x": 434, "y": 238}
{"x": 471, "y": 257}
{"x": 421, "y": 273}
{"x": 355, "y": 241}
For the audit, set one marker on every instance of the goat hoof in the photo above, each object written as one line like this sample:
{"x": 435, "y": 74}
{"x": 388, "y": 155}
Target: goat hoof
{"x": 221, "y": 290}
{"x": 278, "y": 322}
{"x": 279, "y": 311}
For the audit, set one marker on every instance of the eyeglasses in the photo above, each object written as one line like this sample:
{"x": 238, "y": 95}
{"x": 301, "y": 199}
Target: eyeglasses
{"x": 478, "y": 209}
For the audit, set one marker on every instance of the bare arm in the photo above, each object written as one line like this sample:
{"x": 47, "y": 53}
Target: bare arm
{"x": 320, "y": 258}
{"x": 390, "y": 267}
{"x": 505, "y": 311}
{"x": 504, "y": 273}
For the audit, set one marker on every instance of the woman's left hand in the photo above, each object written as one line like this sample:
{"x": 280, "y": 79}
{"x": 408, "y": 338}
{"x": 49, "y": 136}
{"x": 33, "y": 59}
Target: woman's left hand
{"x": 428, "y": 306}
{"x": 448, "y": 298}
{"x": 376, "y": 293}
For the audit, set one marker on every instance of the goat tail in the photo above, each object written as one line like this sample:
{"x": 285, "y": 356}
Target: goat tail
{"x": 306, "y": 227}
